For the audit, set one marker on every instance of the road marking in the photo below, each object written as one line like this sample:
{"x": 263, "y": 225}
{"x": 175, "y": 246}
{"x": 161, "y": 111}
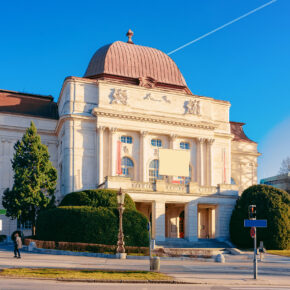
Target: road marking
{"x": 256, "y": 288}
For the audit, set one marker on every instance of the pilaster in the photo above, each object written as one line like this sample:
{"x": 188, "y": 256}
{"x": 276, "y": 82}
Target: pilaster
{"x": 101, "y": 154}
{"x": 158, "y": 218}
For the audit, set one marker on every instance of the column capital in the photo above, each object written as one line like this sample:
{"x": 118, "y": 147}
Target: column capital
{"x": 113, "y": 130}
{"x": 101, "y": 128}
{"x": 144, "y": 133}
{"x": 210, "y": 141}
{"x": 201, "y": 140}
{"x": 173, "y": 136}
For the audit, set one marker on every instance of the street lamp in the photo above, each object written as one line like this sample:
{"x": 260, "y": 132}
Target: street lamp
{"x": 121, "y": 248}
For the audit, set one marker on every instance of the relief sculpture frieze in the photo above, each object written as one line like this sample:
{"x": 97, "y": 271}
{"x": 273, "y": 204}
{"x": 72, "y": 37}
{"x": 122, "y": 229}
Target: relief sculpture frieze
{"x": 192, "y": 107}
{"x": 119, "y": 96}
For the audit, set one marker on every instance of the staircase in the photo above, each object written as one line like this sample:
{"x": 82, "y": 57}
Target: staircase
{"x": 203, "y": 248}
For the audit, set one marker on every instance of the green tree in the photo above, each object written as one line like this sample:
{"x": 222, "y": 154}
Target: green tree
{"x": 34, "y": 179}
{"x": 272, "y": 204}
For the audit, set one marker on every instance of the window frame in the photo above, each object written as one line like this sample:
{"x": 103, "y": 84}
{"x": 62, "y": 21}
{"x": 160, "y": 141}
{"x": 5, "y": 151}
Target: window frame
{"x": 124, "y": 139}
{"x": 155, "y": 169}
{"x": 155, "y": 142}
{"x": 184, "y": 143}
{"x": 125, "y": 167}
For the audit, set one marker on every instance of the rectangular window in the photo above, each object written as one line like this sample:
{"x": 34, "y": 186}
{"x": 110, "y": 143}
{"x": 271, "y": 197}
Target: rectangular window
{"x": 127, "y": 139}
{"x": 184, "y": 145}
{"x": 156, "y": 142}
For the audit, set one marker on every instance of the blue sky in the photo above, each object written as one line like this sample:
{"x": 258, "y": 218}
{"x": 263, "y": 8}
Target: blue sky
{"x": 246, "y": 63}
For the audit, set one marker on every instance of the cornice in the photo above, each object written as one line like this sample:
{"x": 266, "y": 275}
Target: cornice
{"x": 152, "y": 119}
{"x": 257, "y": 154}
{"x": 72, "y": 117}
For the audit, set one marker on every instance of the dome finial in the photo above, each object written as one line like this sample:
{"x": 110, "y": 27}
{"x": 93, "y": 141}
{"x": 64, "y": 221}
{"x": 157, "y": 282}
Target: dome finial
{"x": 130, "y": 34}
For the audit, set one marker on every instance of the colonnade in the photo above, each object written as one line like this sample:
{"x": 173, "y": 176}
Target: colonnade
{"x": 204, "y": 154}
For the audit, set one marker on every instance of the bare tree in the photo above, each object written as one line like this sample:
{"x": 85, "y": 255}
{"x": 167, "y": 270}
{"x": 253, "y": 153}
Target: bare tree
{"x": 285, "y": 166}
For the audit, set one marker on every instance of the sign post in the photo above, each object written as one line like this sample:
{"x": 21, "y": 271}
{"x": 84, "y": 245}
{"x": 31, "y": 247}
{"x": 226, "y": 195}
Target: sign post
{"x": 149, "y": 230}
{"x": 253, "y": 223}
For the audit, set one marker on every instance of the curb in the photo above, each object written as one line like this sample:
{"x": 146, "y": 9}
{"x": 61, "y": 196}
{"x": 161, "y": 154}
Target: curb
{"x": 104, "y": 281}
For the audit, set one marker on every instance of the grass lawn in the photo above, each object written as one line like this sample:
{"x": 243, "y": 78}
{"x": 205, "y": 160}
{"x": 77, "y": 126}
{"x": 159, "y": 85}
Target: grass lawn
{"x": 279, "y": 252}
{"x": 83, "y": 274}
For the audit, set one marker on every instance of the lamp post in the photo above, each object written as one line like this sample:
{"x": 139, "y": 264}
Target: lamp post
{"x": 121, "y": 249}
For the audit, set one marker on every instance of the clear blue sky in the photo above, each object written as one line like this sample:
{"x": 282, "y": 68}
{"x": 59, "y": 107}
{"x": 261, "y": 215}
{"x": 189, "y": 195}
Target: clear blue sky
{"x": 246, "y": 63}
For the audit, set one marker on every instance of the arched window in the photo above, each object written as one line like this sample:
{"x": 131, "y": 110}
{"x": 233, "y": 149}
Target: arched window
{"x": 127, "y": 167}
{"x": 154, "y": 171}
{"x": 184, "y": 145}
{"x": 126, "y": 139}
{"x": 186, "y": 179}
{"x": 156, "y": 142}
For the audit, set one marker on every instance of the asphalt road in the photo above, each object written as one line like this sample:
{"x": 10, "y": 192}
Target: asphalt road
{"x": 26, "y": 284}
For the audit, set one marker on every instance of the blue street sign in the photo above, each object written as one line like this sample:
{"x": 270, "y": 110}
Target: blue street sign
{"x": 255, "y": 223}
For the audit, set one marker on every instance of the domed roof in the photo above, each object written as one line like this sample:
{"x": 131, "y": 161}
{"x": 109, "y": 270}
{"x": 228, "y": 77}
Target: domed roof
{"x": 128, "y": 60}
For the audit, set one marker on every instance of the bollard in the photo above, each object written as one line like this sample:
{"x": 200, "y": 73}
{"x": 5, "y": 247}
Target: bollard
{"x": 220, "y": 258}
{"x": 31, "y": 246}
{"x": 155, "y": 264}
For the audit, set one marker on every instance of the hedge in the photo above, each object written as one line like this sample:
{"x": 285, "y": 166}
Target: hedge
{"x": 85, "y": 247}
{"x": 91, "y": 225}
{"x": 96, "y": 198}
{"x": 272, "y": 204}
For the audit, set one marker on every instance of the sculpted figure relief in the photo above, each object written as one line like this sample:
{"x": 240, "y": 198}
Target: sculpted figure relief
{"x": 119, "y": 97}
{"x": 193, "y": 107}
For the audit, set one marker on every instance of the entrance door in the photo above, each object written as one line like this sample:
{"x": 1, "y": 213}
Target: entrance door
{"x": 203, "y": 223}
{"x": 181, "y": 225}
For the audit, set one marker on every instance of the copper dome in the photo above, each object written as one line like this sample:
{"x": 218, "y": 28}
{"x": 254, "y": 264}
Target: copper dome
{"x": 128, "y": 60}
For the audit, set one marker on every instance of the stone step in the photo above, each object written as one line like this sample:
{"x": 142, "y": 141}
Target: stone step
{"x": 182, "y": 243}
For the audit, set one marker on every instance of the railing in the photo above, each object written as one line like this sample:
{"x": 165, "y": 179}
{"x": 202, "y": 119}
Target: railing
{"x": 162, "y": 186}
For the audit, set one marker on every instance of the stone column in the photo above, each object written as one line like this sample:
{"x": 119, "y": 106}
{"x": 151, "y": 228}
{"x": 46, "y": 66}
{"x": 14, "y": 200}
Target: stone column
{"x": 171, "y": 146}
{"x": 142, "y": 156}
{"x": 100, "y": 153}
{"x": 113, "y": 151}
{"x": 200, "y": 161}
{"x": 158, "y": 220}
{"x": 190, "y": 215}
{"x": 171, "y": 141}
{"x": 210, "y": 162}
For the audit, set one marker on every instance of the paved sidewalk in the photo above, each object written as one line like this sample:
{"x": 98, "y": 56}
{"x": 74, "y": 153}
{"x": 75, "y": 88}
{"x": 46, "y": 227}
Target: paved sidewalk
{"x": 237, "y": 270}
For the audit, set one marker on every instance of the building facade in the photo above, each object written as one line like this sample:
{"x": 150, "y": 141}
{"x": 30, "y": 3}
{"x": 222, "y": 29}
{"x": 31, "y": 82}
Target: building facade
{"x": 281, "y": 181}
{"x": 106, "y": 131}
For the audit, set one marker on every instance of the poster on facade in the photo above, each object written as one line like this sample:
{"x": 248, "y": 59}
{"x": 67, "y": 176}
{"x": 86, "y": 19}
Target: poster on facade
{"x": 174, "y": 162}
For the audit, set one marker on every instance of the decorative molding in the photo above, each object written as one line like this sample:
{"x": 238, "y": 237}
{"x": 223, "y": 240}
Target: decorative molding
{"x": 101, "y": 128}
{"x": 119, "y": 96}
{"x": 201, "y": 140}
{"x": 173, "y": 137}
{"x": 210, "y": 141}
{"x": 125, "y": 149}
{"x": 149, "y": 97}
{"x": 113, "y": 130}
{"x": 144, "y": 133}
{"x": 153, "y": 119}
{"x": 192, "y": 107}
{"x": 147, "y": 82}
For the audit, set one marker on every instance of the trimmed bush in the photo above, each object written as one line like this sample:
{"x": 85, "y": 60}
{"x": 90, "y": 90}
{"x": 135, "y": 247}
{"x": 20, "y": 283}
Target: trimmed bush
{"x": 272, "y": 204}
{"x": 96, "y": 198}
{"x": 91, "y": 225}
